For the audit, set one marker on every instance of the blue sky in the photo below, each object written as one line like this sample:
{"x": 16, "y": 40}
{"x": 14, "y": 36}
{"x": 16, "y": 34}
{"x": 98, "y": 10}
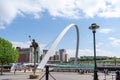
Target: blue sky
{"x": 43, "y": 20}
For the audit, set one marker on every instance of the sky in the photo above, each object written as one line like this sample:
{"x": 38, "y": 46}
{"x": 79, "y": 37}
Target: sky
{"x": 44, "y": 20}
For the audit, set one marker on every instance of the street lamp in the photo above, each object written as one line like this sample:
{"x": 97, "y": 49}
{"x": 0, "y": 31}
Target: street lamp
{"x": 35, "y": 46}
{"x": 93, "y": 27}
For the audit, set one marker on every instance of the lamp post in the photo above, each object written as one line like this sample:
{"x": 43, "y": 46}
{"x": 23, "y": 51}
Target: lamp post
{"x": 93, "y": 27}
{"x": 35, "y": 46}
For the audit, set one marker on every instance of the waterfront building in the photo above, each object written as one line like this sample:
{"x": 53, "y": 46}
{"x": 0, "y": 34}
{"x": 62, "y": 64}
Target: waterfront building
{"x": 45, "y": 51}
{"x": 66, "y": 57}
{"x": 26, "y": 55}
{"x": 59, "y": 56}
{"x": 62, "y": 54}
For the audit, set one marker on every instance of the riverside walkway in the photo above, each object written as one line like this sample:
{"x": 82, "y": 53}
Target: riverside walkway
{"x": 20, "y": 75}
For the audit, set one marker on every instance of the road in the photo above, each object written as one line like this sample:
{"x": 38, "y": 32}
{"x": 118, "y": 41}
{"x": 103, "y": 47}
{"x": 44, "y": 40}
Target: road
{"x": 20, "y": 75}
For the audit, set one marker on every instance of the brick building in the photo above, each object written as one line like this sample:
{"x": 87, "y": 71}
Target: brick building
{"x": 26, "y": 55}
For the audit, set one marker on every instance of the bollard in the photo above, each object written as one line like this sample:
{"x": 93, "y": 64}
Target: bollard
{"x": 47, "y": 72}
{"x": 117, "y": 75}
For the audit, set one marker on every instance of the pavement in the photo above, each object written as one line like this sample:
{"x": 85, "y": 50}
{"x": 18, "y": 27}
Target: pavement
{"x": 20, "y": 75}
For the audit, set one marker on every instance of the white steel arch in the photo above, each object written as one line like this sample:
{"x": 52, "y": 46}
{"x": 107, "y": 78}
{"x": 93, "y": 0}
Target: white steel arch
{"x": 55, "y": 43}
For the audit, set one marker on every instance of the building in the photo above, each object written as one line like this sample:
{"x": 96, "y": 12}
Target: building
{"x": 59, "y": 56}
{"x": 45, "y": 51}
{"x": 42, "y": 55}
{"x": 66, "y": 57}
{"x": 62, "y": 53}
{"x": 26, "y": 55}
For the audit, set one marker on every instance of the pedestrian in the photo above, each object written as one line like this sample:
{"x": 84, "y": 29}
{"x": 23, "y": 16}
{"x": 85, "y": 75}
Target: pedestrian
{"x": 15, "y": 68}
{"x": 15, "y": 71}
{"x": 24, "y": 69}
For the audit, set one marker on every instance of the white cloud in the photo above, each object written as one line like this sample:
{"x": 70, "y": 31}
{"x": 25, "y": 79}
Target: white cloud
{"x": 60, "y": 8}
{"x": 85, "y": 52}
{"x": 73, "y": 9}
{"x": 106, "y": 30}
{"x": 25, "y": 44}
{"x": 114, "y": 41}
{"x": 21, "y": 44}
{"x": 90, "y": 8}
{"x": 89, "y": 52}
{"x": 9, "y": 10}
{"x": 98, "y": 45}
{"x": 100, "y": 52}
{"x": 111, "y": 9}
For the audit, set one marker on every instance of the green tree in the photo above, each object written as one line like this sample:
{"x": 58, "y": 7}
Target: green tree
{"x": 8, "y": 54}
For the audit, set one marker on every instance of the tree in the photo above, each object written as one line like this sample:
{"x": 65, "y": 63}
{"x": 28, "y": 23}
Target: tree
{"x": 8, "y": 54}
